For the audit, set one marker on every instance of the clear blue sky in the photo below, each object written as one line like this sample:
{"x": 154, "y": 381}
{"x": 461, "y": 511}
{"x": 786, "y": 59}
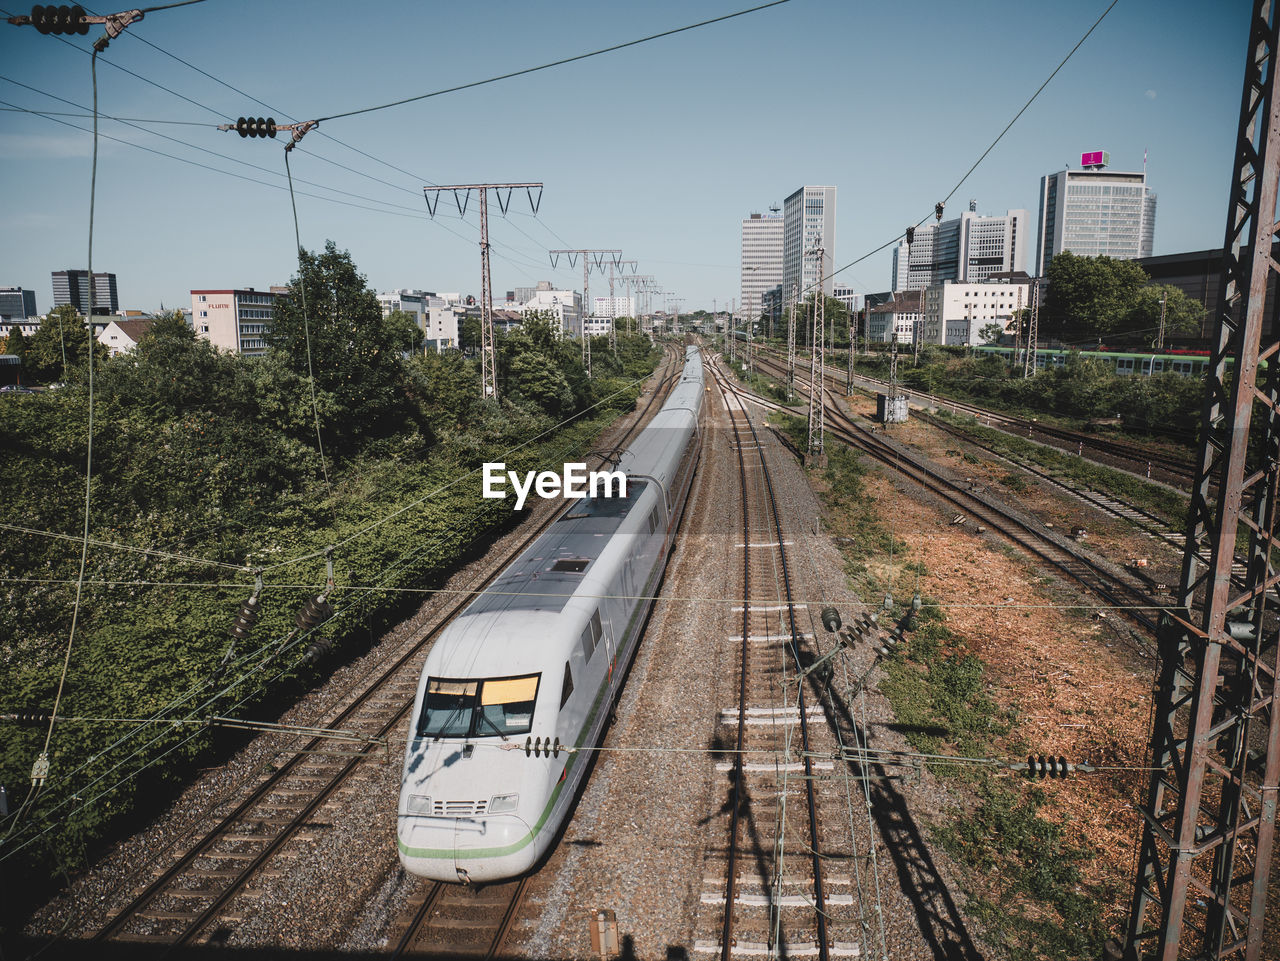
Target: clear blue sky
{"x": 659, "y": 149}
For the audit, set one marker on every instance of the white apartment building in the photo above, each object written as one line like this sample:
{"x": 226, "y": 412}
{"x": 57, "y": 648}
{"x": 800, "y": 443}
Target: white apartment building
{"x": 235, "y": 320}
{"x": 968, "y": 249}
{"x": 846, "y": 295}
{"x": 610, "y": 308}
{"x": 900, "y": 316}
{"x": 808, "y": 222}
{"x": 437, "y": 315}
{"x": 955, "y": 313}
{"x": 761, "y": 265}
{"x": 564, "y": 305}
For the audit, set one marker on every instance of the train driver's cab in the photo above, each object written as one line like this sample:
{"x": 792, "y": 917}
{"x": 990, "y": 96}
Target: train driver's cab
{"x": 478, "y": 707}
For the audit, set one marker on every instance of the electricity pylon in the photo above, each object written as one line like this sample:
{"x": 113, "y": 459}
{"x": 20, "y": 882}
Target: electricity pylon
{"x": 461, "y": 194}
{"x": 1209, "y": 818}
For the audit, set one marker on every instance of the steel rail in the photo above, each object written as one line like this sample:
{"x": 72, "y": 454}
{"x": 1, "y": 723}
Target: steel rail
{"x": 794, "y": 649}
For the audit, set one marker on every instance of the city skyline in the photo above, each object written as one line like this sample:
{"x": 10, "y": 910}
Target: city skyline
{"x": 1172, "y": 97}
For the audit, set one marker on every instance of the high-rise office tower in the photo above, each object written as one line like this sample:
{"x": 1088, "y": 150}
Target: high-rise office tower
{"x": 761, "y": 267}
{"x": 968, "y": 249}
{"x": 1095, "y": 212}
{"x": 808, "y": 222}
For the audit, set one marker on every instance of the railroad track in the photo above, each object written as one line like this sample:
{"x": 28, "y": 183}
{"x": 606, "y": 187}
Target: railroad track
{"x": 780, "y": 887}
{"x": 205, "y": 883}
{"x": 1114, "y": 586}
{"x": 1153, "y": 464}
{"x": 456, "y": 921}
{"x": 1149, "y": 524}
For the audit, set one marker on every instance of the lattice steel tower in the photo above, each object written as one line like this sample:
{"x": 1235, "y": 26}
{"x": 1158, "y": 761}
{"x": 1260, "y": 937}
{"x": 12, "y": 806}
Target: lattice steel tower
{"x": 1210, "y": 813}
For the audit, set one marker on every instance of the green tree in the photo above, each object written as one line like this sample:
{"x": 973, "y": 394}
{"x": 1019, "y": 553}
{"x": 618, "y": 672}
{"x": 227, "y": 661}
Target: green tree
{"x": 991, "y": 333}
{"x": 537, "y": 379}
{"x": 1089, "y": 297}
{"x": 1182, "y": 315}
{"x": 60, "y": 346}
{"x": 347, "y": 346}
{"x": 403, "y": 329}
{"x": 16, "y": 343}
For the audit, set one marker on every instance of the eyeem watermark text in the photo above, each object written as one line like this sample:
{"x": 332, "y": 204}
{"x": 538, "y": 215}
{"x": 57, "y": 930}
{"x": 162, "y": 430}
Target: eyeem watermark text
{"x": 574, "y": 483}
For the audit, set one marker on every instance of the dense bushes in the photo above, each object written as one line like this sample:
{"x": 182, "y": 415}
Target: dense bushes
{"x": 1083, "y": 388}
{"x": 205, "y": 467}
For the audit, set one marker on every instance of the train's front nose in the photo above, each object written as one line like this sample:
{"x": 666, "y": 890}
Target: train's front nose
{"x": 470, "y": 849}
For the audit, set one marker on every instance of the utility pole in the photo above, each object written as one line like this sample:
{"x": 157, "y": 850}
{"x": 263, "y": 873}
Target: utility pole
{"x": 461, "y": 194}
{"x": 817, "y": 362}
{"x": 1209, "y": 817}
{"x": 853, "y": 337}
{"x": 1164, "y": 303}
{"x": 613, "y": 328}
{"x": 791, "y": 342}
{"x": 589, "y": 256}
{"x": 1033, "y": 331}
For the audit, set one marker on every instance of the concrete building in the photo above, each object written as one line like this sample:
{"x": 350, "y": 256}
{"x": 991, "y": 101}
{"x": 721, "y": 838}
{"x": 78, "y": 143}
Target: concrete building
{"x": 955, "y": 313}
{"x": 72, "y": 287}
{"x": 565, "y": 306}
{"x": 1095, "y": 212}
{"x": 808, "y": 221}
{"x": 761, "y": 264}
{"x": 899, "y": 316}
{"x": 235, "y": 320}
{"x": 122, "y": 336}
{"x": 969, "y": 249}
{"x": 17, "y": 304}
{"x": 436, "y": 315}
{"x": 610, "y": 308}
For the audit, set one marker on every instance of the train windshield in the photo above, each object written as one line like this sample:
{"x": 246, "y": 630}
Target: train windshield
{"x": 471, "y": 707}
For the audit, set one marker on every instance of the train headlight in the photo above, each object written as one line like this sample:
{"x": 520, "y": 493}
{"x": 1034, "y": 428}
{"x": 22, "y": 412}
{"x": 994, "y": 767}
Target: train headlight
{"x": 503, "y": 803}
{"x": 419, "y": 804}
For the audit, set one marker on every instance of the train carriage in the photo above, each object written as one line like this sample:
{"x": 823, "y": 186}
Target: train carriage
{"x": 535, "y": 663}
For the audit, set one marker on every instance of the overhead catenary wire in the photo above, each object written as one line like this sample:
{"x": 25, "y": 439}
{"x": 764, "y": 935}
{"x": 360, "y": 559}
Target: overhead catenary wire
{"x": 693, "y": 599}
{"x": 976, "y": 163}
{"x": 548, "y": 66}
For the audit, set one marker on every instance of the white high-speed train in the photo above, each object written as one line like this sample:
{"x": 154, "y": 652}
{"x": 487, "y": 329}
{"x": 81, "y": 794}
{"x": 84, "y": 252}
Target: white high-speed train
{"x": 534, "y": 664}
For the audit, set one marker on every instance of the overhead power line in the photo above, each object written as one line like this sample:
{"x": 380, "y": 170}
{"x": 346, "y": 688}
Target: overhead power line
{"x": 554, "y": 63}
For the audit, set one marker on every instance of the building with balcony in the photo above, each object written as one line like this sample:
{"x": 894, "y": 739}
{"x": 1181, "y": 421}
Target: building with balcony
{"x": 234, "y": 320}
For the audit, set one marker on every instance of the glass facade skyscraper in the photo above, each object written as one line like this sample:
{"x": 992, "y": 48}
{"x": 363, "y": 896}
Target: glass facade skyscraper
{"x": 1095, "y": 213}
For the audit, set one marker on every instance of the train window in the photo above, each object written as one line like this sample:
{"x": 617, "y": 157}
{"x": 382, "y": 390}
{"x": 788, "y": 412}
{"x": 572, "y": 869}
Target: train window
{"x": 653, "y": 520}
{"x": 607, "y": 506}
{"x": 596, "y": 630}
{"x": 567, "y": 690}
{"x": 588, "y": 643}
{"x": 478, "y": 707}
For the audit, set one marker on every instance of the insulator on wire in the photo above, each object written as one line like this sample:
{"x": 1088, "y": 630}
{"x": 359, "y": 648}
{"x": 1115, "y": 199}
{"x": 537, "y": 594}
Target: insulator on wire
{"x": 1052, "y": 767}
{"x": 831, "y": 619}
{"x": 31, "y": 717}
{"x": 316, "y": 651}
{"x": 248, "y": 616}
{"x": 314, "y": 612}
{"x": 261, "y": 127}
{"x": 60, "y": 19}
